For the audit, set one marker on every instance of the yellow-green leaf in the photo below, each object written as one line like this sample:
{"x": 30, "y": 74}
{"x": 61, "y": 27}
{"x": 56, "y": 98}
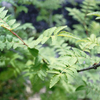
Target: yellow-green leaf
{"x": 54, "y": 80}
{"x": 59, "y": 29}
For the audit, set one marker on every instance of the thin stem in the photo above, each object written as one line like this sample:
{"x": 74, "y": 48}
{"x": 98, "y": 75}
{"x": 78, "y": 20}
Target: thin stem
{"x": 50, "y": 19}
{"x": 16, "y": 35}
{"x": 94, "y": 66}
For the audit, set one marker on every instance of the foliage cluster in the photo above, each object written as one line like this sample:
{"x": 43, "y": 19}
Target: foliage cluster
{"x": 50, "y": 61}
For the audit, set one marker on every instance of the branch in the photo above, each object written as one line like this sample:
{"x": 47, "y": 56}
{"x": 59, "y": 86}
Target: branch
{"x": 94, "y": 66}
{"x": 16, "y": 35}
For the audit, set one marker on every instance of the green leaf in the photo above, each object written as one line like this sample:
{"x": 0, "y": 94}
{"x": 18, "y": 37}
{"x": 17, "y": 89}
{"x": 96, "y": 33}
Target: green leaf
{"x": 53, "y": 71}
{"x": 44, "y": 39}
{"x": 2, "y": 38}
{"x": 77, "y": 52}
{"x": 25, "y": 26}
{"x": 3, "y": 14}
{"x": 2, "y": 45}
{"x": 22, "y": 8}
{"x": 54, "y": 80}
{"x": 67, "y": 34}
{"x": 8, "y": 45}
{"x": 59, "y": 29}
{"x": 4, "y": 19}
{"x": 1, "y": 9}
{"x": 9, "y": 38}
{"x": 33, "y": 51}
{"x": 41, "y": 74}
{"x": 64, "y": 77}
{"x": 92, "y": 37}
{"x": 72, "y": 61}
{"x": 49, "y": 32}
{"x": 94, "y": 13}
{"x": 11, "y": 22}
{"x": 98, "y": 40}
{"x": 15, "y": 25}
{"x": 81, "y": 87}
{"x": 7, "y": 74}
{"x": 15, "y": 45}
{"x": 92, "y": 46}
{"x": 54, "y": 40}
{"x": 97, "y": 17}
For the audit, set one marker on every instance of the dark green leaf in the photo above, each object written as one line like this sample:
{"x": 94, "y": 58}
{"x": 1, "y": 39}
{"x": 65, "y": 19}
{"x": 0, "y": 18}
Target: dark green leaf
{"x": 9, "y": 38}
{"x": 81, "y": 87}
{"x": 33, "y": 51}
{"x": 2, "y": 38}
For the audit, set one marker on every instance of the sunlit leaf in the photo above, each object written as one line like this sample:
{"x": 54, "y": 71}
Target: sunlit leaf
{"x": 54, "y": 80}
{"x": 59, "y": 29}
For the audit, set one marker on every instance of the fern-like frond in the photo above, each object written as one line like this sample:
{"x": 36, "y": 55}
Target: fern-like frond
{"x": 53, "y": 33}
{"x": 88, "y": 6}
{"x": 5, "y": 21}
{"x": 8, "y": 24}
{"x": 78, "y": 15}
{"x": 8, "y": 41}
{"x": 94, "y": 14}
{"x": 81, "y": 15}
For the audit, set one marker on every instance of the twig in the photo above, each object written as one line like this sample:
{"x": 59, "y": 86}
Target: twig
{"x": 94, "y": 66}
{"x": 16, "y": 35}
